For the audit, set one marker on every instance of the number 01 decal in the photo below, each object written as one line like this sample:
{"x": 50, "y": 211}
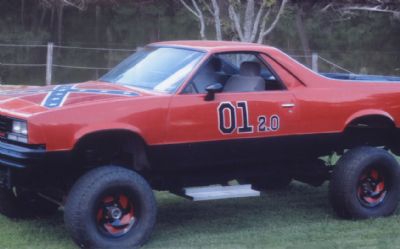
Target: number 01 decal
{"x": 228, "y": 121}
{"x": 227, "y": 125}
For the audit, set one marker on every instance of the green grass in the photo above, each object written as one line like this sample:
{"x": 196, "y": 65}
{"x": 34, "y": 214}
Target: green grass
{"x": 298, "y": 217}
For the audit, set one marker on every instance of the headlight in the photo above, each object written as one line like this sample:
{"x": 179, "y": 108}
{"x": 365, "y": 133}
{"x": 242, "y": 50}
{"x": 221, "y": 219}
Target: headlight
{"x": 20, "y": 127}
{"x": 19, "y": 131}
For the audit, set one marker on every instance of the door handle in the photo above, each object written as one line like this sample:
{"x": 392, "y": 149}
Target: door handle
{"x": 288, "y": 105}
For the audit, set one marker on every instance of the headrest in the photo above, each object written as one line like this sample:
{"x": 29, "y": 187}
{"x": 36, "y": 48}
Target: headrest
{"x": 214, "y": 65}
{"x": 250, "y": 68}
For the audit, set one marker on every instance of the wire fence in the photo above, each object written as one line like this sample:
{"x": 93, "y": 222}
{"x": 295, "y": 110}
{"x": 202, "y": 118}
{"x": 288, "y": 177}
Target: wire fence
{"x": 64, "y": 64}
{"x": 55, "y": 64}
{"x": 317, "y": 60}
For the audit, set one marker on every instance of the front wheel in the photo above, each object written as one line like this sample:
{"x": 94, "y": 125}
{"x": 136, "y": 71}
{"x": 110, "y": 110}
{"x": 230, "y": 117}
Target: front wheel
{"x": 365, "y": 184}
{"x": 110, "y": 207}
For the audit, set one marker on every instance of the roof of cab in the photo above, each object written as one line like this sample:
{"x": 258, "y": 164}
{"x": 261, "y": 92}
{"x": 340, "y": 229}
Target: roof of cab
{"x": 211, "y": 45}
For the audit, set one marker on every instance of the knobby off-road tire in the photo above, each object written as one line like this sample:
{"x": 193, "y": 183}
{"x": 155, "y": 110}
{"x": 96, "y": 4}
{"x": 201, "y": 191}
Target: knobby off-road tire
{"x": 365, "y": 184}
{"x": 110, "y": 207}
{"x": 24, "y": 205}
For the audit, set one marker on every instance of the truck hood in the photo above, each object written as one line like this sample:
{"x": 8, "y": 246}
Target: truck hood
{"x": 26, "y": 101}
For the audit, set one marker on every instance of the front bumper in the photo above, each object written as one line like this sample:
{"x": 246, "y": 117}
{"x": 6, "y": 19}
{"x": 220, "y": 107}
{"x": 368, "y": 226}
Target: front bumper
{"x": 18, "y": 156}
{"x": 33, "y": 167}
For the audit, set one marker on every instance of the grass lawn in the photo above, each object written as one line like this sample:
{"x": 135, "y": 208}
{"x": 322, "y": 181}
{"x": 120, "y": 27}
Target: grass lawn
{"x": 299, "y": 217}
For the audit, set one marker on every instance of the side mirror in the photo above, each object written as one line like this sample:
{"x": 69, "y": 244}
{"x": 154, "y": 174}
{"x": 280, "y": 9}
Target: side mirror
{"x": 212, "y": 89}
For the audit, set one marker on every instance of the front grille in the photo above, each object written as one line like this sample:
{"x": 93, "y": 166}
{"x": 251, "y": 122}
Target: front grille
{"x": 5, "y": 124}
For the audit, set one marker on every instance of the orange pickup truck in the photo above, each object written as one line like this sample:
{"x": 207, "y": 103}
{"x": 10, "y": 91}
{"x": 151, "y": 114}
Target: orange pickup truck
{"x": 189, "y": 117}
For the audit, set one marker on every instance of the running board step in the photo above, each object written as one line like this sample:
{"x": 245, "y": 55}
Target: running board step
{"x": 219, "y": 192}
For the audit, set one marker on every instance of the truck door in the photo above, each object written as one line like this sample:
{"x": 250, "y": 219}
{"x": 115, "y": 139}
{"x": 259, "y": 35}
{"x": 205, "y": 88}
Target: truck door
{"x": 247, "y": 122}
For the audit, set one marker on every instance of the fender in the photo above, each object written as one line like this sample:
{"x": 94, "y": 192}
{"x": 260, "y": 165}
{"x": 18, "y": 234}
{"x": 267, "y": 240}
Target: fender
{"x": 104, "y": 128}
{"x": 138, "y": 143}
{"x": 368, "y": 112}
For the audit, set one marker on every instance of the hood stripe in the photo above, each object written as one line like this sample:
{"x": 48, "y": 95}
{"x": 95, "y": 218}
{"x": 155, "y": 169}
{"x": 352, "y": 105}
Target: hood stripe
{"x": 58, "y": 96}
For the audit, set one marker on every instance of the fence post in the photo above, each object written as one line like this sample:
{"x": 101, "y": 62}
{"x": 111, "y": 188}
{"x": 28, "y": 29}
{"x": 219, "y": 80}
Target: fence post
{"x": 314, "y": 64}
{"x": 49, "y": 63}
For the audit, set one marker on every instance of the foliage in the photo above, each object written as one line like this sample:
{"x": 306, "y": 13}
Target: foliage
{"x": 363, "y": 44}
{"x": 362, "y": 41}
{"x": 13, "y": 32}
{"x": 100, "y": 24}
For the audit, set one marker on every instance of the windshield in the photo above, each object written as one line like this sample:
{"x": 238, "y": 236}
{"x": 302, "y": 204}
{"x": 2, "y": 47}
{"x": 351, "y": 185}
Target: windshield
{"x": 159, "y": 69}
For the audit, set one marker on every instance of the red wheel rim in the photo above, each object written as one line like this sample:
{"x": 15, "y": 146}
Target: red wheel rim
{"x": 115, "y": 215}
{"x": 371, "y": 188}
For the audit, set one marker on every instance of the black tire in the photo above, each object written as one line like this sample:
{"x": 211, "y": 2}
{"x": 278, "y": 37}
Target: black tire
{"x": 395, "y": 150}
{"x": 365, "y": 183}
{"x": 101, "y": 189}
{"x": 24, "y": 205}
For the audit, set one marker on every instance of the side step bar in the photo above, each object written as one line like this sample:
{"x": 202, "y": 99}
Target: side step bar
{"x": 219, "y": 192}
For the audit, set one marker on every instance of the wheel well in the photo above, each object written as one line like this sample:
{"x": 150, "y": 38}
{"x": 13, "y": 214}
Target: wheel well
{"x": 120, "y": 147}
{"x": 374, "y": 130}
{"x": 372, "y": 121}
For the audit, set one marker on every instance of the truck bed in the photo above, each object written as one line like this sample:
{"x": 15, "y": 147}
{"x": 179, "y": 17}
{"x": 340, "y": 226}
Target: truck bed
{"x": 361, "y": 77}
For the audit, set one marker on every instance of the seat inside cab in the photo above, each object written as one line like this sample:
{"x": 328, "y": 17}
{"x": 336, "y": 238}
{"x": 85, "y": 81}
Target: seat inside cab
{"x": 237, "y": 72}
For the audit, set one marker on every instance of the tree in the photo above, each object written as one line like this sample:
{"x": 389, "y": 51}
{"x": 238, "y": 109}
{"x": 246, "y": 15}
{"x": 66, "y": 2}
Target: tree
{"x": 302, "y": 32}
{"x": 250, "y": 20}
{"x": 199, "y": 14}
{"x": 79, "y": 4}
{"x": 352, "y": 6}
{"x": 58, "y": 7}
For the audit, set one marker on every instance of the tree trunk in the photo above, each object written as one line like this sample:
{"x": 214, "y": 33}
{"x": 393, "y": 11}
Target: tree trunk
{"x": 198, "y": 13}
{"x": 60, "y": 17}
{"x": 42, "y": 17}
{"x": 97, "y": 25}
{"x": 23, "y": 12}
{"x": 203, "y": 30}
{"x": 303, "y": 36}
{"x": 109, "y": 36}
{"x": 217, "y": 17}
{"x": 35, "y": 17}
{"x": 248, "y": 21}
{"x": 52, "y": 14}
{"x": 158, "y": 26}
{"x": 263, "y": 32}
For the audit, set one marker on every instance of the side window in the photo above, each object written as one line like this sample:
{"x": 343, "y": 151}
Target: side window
{"x": 209, "y": 73}
{"x": 251, "y": 75}
{"x": 236, "y": 59}
{"x": 237, "y": 72}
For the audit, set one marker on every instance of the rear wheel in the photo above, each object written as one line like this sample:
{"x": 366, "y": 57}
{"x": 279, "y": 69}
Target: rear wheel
{"x": 110, "y": 207}
{"x": 365, "y": 184}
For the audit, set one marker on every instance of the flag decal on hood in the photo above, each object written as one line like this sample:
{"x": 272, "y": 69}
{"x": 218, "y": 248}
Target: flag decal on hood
{"x": 58, "y": 96}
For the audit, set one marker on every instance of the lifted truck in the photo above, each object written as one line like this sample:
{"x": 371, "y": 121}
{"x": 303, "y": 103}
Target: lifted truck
{"x": 182, "y": 116}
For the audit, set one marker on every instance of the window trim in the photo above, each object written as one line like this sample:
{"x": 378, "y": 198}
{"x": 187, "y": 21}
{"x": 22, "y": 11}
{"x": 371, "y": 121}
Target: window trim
{"x": 276, "y": 75}
{"x": 208, "y": 58}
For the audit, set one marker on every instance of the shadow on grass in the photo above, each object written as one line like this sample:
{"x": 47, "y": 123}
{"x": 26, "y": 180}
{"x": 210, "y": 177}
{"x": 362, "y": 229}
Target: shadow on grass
{"x": 182, "y": 220}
